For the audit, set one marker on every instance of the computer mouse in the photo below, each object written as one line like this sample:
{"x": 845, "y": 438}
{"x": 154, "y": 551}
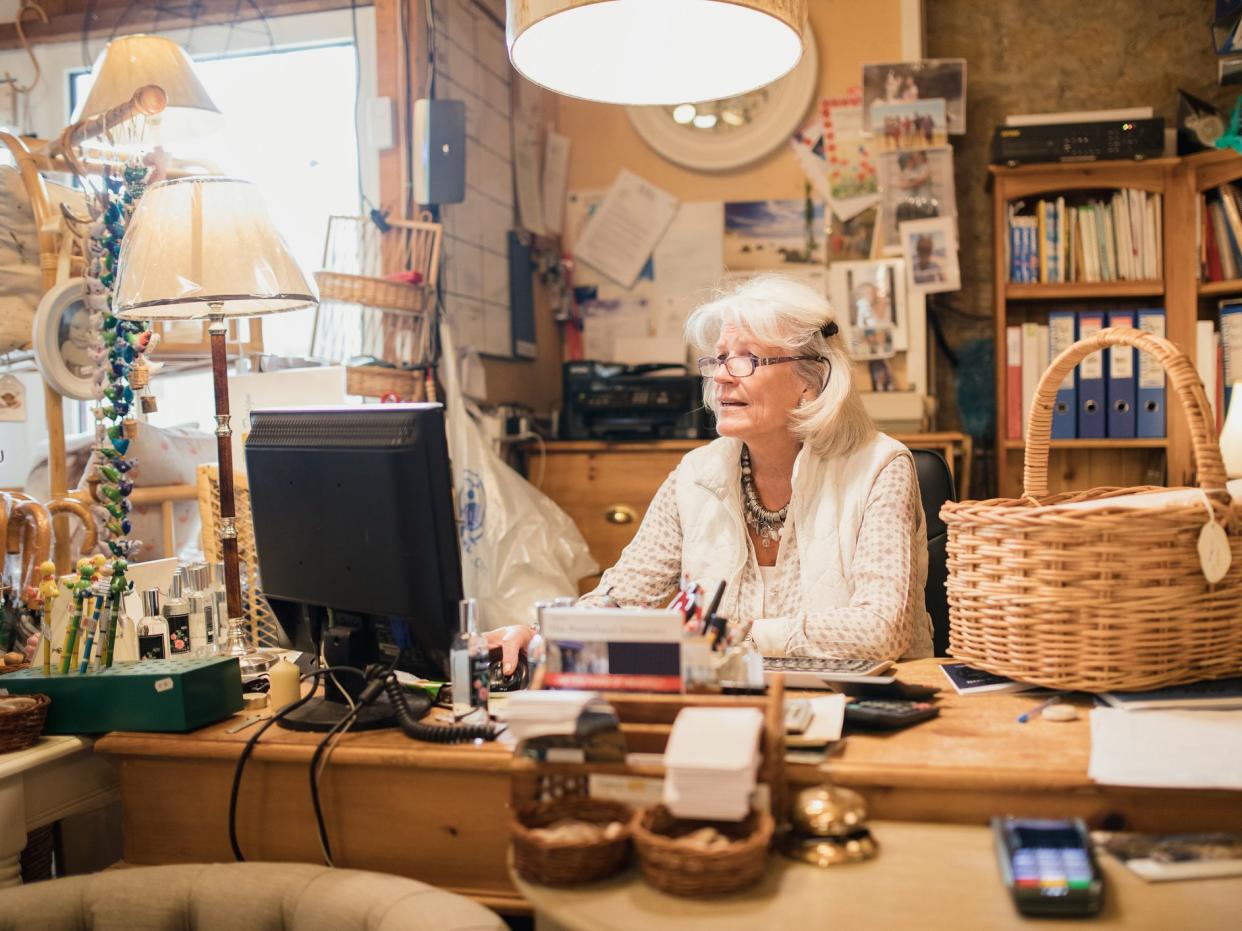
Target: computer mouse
{"x": 497, "y": 681}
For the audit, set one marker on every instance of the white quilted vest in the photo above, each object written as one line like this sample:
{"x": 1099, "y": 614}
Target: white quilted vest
{"x": 829, "y": 496}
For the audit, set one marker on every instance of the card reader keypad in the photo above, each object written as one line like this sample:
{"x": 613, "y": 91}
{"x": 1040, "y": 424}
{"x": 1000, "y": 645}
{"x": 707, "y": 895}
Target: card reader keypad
{"x": 1052, "y": 870}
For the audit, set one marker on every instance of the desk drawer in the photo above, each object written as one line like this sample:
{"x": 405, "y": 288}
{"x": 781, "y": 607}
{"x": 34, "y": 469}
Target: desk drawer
{"x": 607, "y": 493}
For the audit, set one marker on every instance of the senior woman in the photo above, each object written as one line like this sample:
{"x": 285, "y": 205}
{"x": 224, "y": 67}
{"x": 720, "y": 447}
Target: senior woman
{"x": 811, "y": 516}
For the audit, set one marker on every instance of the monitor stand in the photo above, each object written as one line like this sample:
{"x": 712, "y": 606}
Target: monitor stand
{"x": 323, "y": 714}
{"x": 343, "y": 645}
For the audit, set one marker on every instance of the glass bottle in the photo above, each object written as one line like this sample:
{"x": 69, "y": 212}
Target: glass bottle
{"x": 177, "y": 616}
{"x": 220, "y": 602}
{"x": 152, "y": 629}
{"x": 468, "y": 666}
{"x": 202, "y": 611}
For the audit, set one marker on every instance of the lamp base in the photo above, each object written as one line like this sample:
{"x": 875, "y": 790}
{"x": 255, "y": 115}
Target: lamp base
{"x": 253, "y": 662}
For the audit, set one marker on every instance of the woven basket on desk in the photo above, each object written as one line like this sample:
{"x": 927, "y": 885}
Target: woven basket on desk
{"x": 1103, "y": 599}
{"x": 559, "y": 863}
{"x": 674, "y": 866}
{"x": 20, "y": 727}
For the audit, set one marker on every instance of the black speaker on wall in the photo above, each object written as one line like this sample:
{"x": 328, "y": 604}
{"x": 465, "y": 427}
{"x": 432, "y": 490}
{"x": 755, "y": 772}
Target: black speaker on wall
{"x": 439, "y": 151}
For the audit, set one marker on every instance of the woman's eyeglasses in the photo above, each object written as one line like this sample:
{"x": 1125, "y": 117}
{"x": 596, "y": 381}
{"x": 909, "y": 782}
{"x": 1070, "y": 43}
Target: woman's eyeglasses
{"x": 741, "y": 366}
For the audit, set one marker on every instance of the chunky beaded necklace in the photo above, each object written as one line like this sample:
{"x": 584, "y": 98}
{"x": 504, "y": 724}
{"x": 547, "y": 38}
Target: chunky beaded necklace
{"x": 766, "y": 524}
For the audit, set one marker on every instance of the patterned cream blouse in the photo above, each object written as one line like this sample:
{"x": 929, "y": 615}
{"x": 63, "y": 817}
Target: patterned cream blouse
{"x": 885, "y": 618}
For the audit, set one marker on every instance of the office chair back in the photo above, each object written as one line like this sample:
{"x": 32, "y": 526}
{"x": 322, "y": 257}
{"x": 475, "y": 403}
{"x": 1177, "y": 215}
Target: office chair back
{"x": 935, "y": 488}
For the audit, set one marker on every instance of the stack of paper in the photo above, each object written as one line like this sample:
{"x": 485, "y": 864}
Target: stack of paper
{"x": 1169, "y": 749}
{"x": 542, "y": 713}
{"x": 711, "y": 761}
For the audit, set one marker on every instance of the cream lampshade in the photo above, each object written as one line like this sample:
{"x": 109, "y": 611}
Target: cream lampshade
{"x": 205, "y": 247}
{"x": 1231, "y": 434}
{"x": 646, "y": 52}
{"x": 130, "y": 62}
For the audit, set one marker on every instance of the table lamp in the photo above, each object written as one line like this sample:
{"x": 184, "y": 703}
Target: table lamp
{"x": 1231, "y": 434}
{"x": 130, "y": 62}
{"x": 649, "y": 52}
{"x": 200, "y": 248}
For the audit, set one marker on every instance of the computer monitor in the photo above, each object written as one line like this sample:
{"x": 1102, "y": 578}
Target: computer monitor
{"x": 355, "y": 531}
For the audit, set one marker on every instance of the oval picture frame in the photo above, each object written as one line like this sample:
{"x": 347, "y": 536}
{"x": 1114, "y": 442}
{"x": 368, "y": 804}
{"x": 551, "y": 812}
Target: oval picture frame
{"x": 771, "y": 130}
{"x": 51, "y": 331}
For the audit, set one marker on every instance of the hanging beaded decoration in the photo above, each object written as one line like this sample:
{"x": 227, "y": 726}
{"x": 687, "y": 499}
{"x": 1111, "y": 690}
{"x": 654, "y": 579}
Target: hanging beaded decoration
{"x": 118, "y": 351}
{"x": 768, "y": 525}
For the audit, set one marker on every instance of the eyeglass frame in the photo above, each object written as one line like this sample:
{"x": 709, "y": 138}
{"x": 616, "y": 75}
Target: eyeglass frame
{"x": 755, "y": 362}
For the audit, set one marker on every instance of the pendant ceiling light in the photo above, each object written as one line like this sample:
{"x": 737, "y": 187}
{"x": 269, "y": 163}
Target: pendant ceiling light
{"x": 644, "y": 52}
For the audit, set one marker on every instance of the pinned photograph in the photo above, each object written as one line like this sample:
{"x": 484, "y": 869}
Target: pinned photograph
{"x": 852, "y": 240}
{"x": 930, "y": 250}
{"x": 12, "y": 399}
{"x": 906, "y": 81}
{"x": 773, "y": 234}
{"x": 874, "y": 295}
{"x": 914, "y": 185}
{"x": 916, "y": 125}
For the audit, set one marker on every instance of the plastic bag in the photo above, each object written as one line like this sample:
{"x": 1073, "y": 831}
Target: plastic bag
{"x": 517, "y": 546}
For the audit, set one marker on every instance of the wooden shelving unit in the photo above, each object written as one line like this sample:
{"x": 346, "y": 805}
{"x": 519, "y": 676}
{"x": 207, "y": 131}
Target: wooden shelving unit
{"x": 1221, "y": 288}
{"x": 1081, "y": 464}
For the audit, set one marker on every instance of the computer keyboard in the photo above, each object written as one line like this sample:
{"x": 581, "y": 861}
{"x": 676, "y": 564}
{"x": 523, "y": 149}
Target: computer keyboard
{"x": 817, "y": 672}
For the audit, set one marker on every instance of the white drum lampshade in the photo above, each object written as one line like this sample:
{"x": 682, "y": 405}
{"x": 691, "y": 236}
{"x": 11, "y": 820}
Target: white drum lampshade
{"x": 130, "y": 62}
{"x": 649, "y": 52}
{"x": 197, "y": 247}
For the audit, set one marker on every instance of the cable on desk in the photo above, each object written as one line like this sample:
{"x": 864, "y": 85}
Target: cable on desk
{"x": 254, "y": 739}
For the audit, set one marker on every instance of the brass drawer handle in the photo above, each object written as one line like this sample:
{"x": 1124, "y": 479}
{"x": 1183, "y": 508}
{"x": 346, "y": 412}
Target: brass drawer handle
{"x": 620, "y": 514}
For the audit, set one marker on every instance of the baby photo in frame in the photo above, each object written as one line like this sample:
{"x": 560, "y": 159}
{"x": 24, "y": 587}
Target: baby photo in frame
{"x": 62, "y": 337}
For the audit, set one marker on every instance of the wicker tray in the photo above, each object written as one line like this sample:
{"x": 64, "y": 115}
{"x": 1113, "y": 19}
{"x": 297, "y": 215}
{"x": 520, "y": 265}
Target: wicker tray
{"x": 1104, "y": 599}
{"x": 14, "y": 668}
{"x": 564, "y": 863}
{"x": 20, "y": 728}
{"x": 679, "y": 869}
{"x": 379, "y": 293}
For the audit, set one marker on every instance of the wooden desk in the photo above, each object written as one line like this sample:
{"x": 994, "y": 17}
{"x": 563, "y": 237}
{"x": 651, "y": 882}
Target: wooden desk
{"x": 926, "y": 876}
{"x": 440, "y": 814}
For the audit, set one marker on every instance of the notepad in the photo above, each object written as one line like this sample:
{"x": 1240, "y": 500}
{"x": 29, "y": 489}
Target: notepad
{"x": 1213, "y": 694}
{"x": 1167, "y": 749}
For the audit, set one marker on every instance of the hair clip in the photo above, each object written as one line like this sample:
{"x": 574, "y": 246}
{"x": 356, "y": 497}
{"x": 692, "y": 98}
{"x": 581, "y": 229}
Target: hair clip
{"x": 830, "y": 329}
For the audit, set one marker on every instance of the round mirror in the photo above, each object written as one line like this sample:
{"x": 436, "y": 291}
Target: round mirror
{"x": 722, "y": 134}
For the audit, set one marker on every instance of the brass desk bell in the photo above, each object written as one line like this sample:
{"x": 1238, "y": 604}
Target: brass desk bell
{"x": 829, "y": 827}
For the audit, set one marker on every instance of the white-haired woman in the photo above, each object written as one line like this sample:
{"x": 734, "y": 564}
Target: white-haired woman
{"x": 810, "y": 516}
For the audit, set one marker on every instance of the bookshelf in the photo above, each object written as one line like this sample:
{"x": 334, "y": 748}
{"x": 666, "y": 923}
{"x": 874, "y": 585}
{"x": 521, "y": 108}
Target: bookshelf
{"x": 1080, "y": 464}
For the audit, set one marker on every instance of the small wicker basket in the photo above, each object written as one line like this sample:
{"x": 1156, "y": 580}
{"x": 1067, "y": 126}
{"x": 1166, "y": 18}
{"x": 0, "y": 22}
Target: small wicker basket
{"x": 1101, "y": 599}
{"x": 675, "y": 867}
{"x": 21, "y": 726}
{"x": 371, "y": 292}
{"x": 553, "y": 863}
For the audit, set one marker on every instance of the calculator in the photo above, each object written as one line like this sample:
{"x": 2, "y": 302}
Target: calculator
{"x": 1048, "y": 866}
{"x": 820, "y": 672}
{"x": 888, "y": 714}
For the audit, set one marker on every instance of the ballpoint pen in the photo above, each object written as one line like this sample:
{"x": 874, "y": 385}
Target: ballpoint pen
{"x": 1031, "y": 712}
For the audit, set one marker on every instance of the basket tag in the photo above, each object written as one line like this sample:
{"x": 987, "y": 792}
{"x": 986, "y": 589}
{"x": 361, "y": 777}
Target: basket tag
{"x": 1214, "y": 553}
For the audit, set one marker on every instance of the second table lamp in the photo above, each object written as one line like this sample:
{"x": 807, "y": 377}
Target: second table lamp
{"x": 205, "y": 248}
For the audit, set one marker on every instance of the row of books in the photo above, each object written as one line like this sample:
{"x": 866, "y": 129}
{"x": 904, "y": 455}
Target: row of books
{"x": 1220, "y": 238}
{"x": 1110, "y": 394}
{"x": 1119, "y": 239}
{"x": 1218, "y": 356}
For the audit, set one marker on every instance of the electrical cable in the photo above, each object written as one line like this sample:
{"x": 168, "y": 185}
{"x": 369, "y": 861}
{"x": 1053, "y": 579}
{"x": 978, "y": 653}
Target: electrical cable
{"x": 254, "y": 739}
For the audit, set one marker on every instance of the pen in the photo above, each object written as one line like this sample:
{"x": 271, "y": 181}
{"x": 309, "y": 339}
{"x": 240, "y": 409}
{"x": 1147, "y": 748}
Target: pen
{"x": 1031, "y": 712}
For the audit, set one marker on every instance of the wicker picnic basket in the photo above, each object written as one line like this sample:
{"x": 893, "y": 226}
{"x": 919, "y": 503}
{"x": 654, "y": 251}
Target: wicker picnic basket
{"x": 1099, "y": 598}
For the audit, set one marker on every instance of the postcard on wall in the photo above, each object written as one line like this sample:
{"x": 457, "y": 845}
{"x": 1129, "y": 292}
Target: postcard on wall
{"x": 808, "y": 148}
{"x": 773, "y": 234}
{"x": 12, "y": 399}
{"x": 930, "y": 251}
{"x": 905, "y": 81}
{"x": 919, "y": 124}
{"x": 872, "y": 295}
{"x": 619, "y": 236}
{"x": 915, "y": 185}
{"x": 852, "y": 181}
{"x": 853, "y": 239}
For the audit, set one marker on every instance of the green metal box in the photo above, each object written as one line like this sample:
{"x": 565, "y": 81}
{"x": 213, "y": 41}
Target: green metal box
{"x": 152, "y": 695}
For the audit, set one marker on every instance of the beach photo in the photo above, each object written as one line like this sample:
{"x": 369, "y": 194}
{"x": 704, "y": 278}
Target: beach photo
{"x": 906, "y": 81}
{"x": 773, "y": 234}
{"x": 915, "y": 125}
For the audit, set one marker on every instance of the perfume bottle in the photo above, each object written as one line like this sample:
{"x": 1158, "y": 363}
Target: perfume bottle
{"x": 177, "y": 616}
{"x": 202, "y": 611}
{"x": 152, "y": 629}
{"x": 468, "y": 666}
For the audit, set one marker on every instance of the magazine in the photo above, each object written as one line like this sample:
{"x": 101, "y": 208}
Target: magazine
{"x": 967, "y": 681}
{"x": 1215, "y": 693}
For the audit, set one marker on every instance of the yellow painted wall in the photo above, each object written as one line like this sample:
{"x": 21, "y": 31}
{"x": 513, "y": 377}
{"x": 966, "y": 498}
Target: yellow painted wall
{"x": 847, "y": 32}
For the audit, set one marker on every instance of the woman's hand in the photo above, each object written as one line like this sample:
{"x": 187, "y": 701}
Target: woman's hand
{"x": 511, "y": 640}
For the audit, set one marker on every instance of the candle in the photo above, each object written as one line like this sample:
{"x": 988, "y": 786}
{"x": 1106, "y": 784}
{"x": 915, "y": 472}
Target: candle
{"x": 285, "y": 686}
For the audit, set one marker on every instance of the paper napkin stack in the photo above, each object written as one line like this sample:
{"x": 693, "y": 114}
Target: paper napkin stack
{"x": 711, "y": 761}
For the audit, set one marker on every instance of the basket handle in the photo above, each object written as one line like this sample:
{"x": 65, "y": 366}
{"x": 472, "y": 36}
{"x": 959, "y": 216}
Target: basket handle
{"x": 1181, "y": 373}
